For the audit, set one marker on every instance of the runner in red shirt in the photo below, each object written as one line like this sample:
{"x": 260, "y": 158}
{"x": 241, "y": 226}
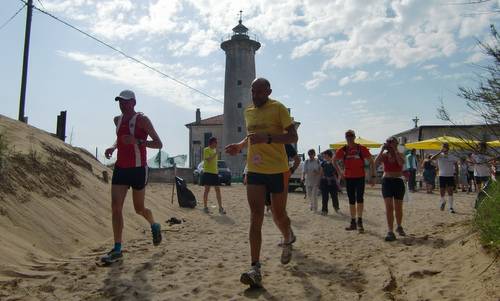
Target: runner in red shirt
{"x": 353, "y": 157}
{"x": 131, "y": 170}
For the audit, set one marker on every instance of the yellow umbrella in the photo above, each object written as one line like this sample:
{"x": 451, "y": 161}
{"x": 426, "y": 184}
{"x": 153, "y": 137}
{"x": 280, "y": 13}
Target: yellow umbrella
{"x": 359, "y": 140}
{"x": 437, "y": 143}
{"x": 495, "y": 143}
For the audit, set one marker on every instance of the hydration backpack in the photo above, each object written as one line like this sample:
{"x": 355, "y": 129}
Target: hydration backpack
{"x": 185, "y": 197}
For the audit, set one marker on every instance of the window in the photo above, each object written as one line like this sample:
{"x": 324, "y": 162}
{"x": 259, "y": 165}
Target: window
{"x": 207, "y": 136}
{"x": 239, "y": 105}
{"x": 238, "y": 82}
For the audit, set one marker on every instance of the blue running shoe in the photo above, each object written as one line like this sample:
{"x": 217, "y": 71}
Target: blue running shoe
{"x": 156, "y": 231}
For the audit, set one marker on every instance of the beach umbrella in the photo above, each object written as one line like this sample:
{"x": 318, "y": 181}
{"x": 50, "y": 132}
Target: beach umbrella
{"x": 437, "y": 143}
{"x": 359, "y": 140}
{"x": 495, "y": 143}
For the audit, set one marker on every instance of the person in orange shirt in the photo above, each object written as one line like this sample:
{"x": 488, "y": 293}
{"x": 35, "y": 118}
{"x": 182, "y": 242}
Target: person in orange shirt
{"x": 269, "y": 127}
{"x": 353, "y": 156}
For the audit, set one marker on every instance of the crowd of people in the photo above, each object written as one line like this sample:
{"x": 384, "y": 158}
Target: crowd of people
{"x": 270, "y": 135}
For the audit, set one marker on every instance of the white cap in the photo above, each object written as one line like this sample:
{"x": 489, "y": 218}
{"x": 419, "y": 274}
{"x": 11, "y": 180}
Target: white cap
{"x": 125, "y": 95}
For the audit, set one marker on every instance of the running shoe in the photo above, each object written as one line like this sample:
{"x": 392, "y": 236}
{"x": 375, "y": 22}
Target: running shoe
{"x": 222, "y": 211}
{"x": 360, "y": 226}
{"x": 390, "y": 236}
{"x": 253, "y": 277}
{"x": 352, "y": 227}
{"x": 206, "y": 210}
{"x": 286, "y": 253}
{"x": 400, "y": 231}
{"x": 111, "y": 257}
{"x": 452, "y": 210}
{"x": 442, "y": 206}
{"x": 156, "y": 232}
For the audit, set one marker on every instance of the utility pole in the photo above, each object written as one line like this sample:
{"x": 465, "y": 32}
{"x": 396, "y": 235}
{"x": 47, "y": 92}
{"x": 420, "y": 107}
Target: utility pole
{"x": 22, "y": 99}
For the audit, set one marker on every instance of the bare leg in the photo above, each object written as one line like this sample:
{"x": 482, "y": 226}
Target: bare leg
{"x": 118, "y": 194}
{"x": 398, "y": 208}
{"x": 218, "y": 195}
{"x": 205, "y": 196}
{"x": 280, "y": 216}
{"x": 352, "y": 209}
{"x": 256, "y": 195}
{"x": 389, "y": 212}
{"x": 138, "y": 198}
{"x": 360, "y": 210}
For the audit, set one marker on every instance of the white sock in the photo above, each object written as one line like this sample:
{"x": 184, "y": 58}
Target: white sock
{"x": 450, "y": 201}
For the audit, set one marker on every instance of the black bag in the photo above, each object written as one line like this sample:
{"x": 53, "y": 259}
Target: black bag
{"x": 185, "y": 196}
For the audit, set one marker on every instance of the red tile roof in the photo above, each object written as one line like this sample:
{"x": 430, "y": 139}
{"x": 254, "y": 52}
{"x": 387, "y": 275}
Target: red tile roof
{"x": 215, "y": 120}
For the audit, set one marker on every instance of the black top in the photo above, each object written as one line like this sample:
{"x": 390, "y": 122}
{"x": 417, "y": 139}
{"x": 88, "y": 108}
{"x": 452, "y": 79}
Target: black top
{"x": 429, "y": 166}
{"x": 290, "y": 151}
{"x": 328, "y": 169}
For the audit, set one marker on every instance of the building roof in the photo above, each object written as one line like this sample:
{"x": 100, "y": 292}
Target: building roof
{"x": 214, "y": 120}
{"x": 450, "y": 126}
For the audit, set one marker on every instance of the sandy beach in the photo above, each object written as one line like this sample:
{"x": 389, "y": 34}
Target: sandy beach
{"x": 202, "y": 258}
{"x": 56, "y": 222}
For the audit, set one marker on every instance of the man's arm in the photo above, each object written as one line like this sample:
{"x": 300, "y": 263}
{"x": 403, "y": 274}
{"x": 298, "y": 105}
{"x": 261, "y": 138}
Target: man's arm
{"x": 435, "y": 156}
{"x": 109, "y": 151}
{"x": 296, "y": 163}
{"x": 149, "y": 129}
{"x": 234, "y": 148}
{"x": 289, "y": 137}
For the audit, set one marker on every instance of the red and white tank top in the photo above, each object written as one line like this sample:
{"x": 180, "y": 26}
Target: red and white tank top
{"x": 130, "y": 155}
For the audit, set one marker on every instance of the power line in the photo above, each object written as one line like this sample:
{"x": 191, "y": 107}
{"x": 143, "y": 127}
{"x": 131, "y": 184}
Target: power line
{"x": 12, "y": 18}
{"x": 125, "y": 54}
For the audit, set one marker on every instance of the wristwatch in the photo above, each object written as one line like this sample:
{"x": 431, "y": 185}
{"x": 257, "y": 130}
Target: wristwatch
{"x": 140, "y": 141}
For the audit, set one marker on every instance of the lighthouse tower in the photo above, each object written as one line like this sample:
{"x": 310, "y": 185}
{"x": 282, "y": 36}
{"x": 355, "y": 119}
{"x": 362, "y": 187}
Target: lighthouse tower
{"x": 240, "y": 72}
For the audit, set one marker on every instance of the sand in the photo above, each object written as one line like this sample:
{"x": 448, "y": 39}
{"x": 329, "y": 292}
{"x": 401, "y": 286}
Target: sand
{"x": 52, "y": 238}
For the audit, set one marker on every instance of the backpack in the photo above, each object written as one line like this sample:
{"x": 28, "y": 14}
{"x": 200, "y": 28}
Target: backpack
{"x": 185, "y": 197}
{"x": 360, "y": 154}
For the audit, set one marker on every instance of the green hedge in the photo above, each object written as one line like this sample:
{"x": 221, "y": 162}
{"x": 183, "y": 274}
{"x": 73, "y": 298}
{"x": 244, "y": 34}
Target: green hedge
{"x": 487, "y": 217}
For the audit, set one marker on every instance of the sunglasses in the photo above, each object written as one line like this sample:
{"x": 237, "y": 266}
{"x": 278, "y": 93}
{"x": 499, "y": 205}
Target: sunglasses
{"x": 349, "y": 135}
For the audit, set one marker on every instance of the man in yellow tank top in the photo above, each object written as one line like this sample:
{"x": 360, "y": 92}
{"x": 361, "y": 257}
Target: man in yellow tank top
{"x": 269, "y": 128}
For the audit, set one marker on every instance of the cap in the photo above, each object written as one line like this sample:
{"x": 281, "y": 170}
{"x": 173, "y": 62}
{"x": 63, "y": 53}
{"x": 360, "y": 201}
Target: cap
{"x": 125, "y": 95}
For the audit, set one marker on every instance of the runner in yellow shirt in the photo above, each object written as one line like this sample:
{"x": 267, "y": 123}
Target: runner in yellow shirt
{"x": 211, "y": 174}
{"x": 269, "y": 128}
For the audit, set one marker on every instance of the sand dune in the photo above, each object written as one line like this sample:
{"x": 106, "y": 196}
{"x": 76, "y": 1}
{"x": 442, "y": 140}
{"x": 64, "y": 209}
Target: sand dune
{"x": 51, "y": 239}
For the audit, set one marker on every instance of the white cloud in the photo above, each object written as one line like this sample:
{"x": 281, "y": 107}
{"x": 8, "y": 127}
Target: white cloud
{"x": 475, "y": 58}
{"x": 306, "y": 48}
{"x": 358, "y": 76}
{"x": 349, "y": 33}
{"x": 336, "y": 93}
{"x": 130, "y": 74}
{"x": 318, "y": 78}
{"x": 417, "y": 78}
{"x": 429, "y": 67}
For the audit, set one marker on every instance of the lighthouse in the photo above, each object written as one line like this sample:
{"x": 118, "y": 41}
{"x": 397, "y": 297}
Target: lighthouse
{"x": 240, "y": 72}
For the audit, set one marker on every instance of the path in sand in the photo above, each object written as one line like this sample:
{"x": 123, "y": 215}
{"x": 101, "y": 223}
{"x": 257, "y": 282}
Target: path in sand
{"x": 202, "y": 259}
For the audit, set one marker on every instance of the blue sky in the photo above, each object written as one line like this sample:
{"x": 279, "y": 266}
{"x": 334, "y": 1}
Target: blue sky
{"x": 367, "y": 65}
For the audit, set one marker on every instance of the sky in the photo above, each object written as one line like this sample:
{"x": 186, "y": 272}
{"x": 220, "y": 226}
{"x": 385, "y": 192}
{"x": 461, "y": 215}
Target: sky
{"x": 371, "y": 66}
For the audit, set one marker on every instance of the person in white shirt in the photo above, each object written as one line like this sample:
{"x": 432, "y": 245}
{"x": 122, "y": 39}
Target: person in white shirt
{"x": 311, "y": 175}
{"x": 448, "y": 167}
{"x": 483, "y": 166}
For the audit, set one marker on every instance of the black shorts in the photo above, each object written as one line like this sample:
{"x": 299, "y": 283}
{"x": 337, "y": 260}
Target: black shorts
{"x": 446, "y": 182}
{"x": 355, "y": 190}
{"x": 275, "y": 183}
{"x": 135, "y": 177}
{"x": 210, "y": 179}
{"x": 481, "y": 180}
{"x": 393, "y": 188}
